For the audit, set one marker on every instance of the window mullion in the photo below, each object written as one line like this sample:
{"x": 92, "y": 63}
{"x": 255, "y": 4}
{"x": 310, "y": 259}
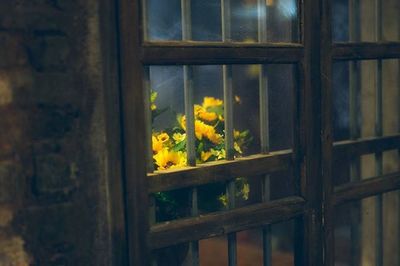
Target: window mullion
{"x": 228, "y": 116}
{"x": 264, "y": 126}
{"x": 190, "y": 120}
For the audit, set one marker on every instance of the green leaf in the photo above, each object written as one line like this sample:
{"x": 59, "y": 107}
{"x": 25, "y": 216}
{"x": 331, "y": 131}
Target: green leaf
{"x": 219, "y": 110}
{"x": 153, "y": 96}
{"x": 244, "y": 134}
{"x": 200, "y": 148}
{"x": 179, "y": 146}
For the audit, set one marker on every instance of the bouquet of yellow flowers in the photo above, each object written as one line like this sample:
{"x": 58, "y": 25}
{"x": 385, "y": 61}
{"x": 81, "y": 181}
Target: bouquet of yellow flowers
{"x": 169, "y": 146}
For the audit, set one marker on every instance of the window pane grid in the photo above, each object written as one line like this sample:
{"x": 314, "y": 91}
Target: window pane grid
{"x": 217, "y": 224}
{"x": 264, "y": 147}
{"x": 362, "y": 146}
{"x": 365, "y": 188}
{"x": 228, "y": 100}
{"x": 164, "y": 22}
{"x": 219, "y": 171}
{"x": 228, "y": 109}
{"x": 359, "y": 51}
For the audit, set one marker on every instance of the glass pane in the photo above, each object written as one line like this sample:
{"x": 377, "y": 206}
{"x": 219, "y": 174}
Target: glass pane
{"x": 171, "y": 86}
{"x": 249, "y": 246}
{"x": 206, "y": 27}
{"x": 282, "y": 105}
{"x": 367, "y": 166}
{"x": 281, "y": 238}
{"x": 206, "y": 83}
{"x": 172, "y": 205}
{"x": 284, "y": 240}
{"x": 211, "y": 198}
{"x": 283, "y": 21}
{"x": 178, "y": 255}
{"x": 278, "y": 20}
{"x": 214, "y": 251}
{"x": 355, "y": 20}
{"x": 162, "y": 20}
{"x": 246, "y": 114}
{"x": 362, "y": 227}
{"x": 391, "y": 161}
{"x": 167, "y": 100}
{"x": 366, "y": 104}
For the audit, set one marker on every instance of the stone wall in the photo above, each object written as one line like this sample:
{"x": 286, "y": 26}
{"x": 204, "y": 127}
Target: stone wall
{"x": 54, "y": 189}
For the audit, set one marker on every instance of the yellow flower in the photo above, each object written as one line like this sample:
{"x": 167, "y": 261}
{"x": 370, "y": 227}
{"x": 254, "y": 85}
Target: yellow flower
{"x": 211, "y": 102}
{"x": 204, "y": 130}
{"x": 163, "y": 137}
{"x": 237, "y": 147}
{"x": 202, "y": 113}
{"x": 236, "y": 134}
{"x": 208, "y": 116}
{"x": 245, "y": 191}
{"x": 205, "y": 155}
{"x": 238, "y": 100}
{"x": 182, "y": 122}
{"x": 178, "y": 137}
{"x": 153, "y": 107}
{"x": 157, "y": 144}
{"x": 166, "y": 159}
{"x": 223, "y": 199}
{"x": 220, "y": 154}
{"x": 198, "y": 109}
{"x": 158, "y": 141}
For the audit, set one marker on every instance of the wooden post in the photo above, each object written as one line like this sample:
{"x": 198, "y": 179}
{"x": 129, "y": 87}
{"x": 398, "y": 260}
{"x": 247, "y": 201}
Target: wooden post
{"x": 378, "y": 133}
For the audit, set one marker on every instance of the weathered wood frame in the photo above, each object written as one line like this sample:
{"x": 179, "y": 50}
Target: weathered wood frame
{"x": 313, "y": 146}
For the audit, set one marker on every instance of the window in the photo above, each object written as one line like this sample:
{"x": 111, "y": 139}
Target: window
{"x": 314, "y": 88}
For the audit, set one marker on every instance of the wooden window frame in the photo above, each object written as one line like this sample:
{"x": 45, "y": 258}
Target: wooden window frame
{"x": 313, "y": 148}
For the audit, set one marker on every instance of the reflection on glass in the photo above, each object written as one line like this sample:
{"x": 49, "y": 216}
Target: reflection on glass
{"x": 246, "y": 110}
{"x": 172, "y": 205}
{"x": 281, "y": 80}
{"x": 162, "y": 20}
{"x": 206, "y": 20}
{"x": 367, "y": 166}
{"x": 365, "y": 104}
{"x": 359, "y": 230}
{"x": 214, "y": 251}
{"x": 391, "y": 96}
{"x": 355, "y": 21}
{"x": 250, "y": 245}
{"x": 391, "y": 161}
{"x": 166, "y": 102}
{"x": 279, "y": 18}
{"x": 355, "y": 92}
{"x": 177, "y": 255}
{"x": 284, "y": 184}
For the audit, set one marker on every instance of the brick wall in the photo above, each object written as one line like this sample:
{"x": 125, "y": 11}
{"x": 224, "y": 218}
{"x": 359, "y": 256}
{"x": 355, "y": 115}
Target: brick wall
{"x": 53, "y": 148}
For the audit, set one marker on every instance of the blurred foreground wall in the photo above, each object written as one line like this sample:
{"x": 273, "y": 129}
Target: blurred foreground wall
{"x": 55, "y": 172}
